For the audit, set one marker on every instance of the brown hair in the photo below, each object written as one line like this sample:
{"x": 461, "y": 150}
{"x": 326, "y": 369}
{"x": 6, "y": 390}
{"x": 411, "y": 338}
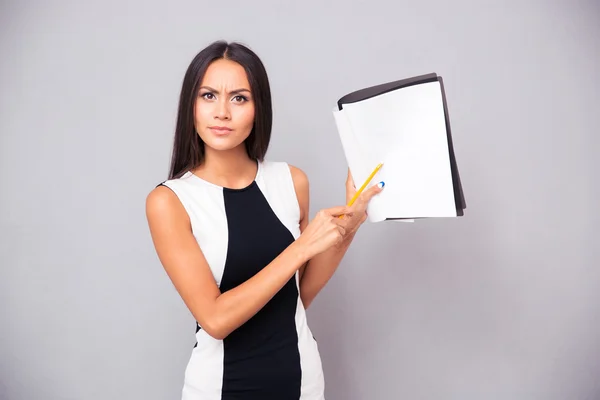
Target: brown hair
{"x": 188, "y": 148}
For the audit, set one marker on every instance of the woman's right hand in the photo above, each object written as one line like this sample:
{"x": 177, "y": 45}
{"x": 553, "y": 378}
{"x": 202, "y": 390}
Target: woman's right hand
{"x": 324, "y": 231}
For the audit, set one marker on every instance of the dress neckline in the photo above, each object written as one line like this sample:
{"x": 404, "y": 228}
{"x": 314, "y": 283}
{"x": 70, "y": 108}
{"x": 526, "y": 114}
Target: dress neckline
{"x": 196, "y": 178}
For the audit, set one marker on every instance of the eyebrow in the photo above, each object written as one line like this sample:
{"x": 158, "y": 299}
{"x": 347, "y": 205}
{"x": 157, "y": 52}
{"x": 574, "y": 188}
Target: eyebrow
{"x": 236, "y": 91}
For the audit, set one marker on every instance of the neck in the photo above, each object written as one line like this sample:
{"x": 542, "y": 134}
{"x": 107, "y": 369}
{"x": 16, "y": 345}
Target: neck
{"x": 232, "y": 168}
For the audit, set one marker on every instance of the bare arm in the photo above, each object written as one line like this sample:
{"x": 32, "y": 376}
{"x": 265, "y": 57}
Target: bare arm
{"x": 221, "y": 313}
{"x": 318, "y": 271}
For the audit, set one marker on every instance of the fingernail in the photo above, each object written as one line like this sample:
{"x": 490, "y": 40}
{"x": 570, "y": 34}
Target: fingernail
{"x": 381, "y": 184}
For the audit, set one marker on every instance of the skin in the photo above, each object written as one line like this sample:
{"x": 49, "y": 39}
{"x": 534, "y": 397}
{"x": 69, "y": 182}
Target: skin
{"x": 316, "y": 254}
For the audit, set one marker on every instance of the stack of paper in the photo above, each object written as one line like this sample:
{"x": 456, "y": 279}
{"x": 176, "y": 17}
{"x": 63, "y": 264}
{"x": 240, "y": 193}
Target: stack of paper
{"x": 404, "y": 125}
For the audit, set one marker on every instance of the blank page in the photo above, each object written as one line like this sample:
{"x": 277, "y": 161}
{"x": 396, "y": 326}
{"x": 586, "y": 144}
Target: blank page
{"x": 358, "y": 159}
{"x": 406, "y": 130}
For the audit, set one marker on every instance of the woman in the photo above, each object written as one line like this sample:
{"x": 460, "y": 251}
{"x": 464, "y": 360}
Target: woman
{"x": 233, "y": 234}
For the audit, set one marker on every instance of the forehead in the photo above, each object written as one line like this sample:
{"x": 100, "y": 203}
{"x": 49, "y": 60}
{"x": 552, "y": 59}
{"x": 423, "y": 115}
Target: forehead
{"x": 227, "y": 74}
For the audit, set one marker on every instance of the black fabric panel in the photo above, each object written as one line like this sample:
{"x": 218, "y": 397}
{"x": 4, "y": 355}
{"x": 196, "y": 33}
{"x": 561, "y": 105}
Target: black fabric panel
{"x": 261, "y": 358}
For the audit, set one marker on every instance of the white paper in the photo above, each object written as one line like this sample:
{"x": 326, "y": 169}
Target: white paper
{"x": 406, "y": 130}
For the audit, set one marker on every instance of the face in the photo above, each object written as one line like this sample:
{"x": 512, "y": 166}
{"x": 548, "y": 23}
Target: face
{"x": 224, "y": 109}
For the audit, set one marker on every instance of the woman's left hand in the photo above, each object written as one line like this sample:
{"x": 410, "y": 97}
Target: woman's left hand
{"x": 357, "y": 214}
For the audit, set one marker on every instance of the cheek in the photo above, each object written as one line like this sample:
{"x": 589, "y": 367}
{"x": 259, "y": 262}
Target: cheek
{"x": 246, "y": 116}
{"x": 201, "y": 114}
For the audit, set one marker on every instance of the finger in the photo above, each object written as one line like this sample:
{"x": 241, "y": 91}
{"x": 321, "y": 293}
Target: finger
{"x": 367, "y": 195}
{"x": 341, "y": 225}
{"x": 346, "y": 223}
{"x": 337, "y": 211}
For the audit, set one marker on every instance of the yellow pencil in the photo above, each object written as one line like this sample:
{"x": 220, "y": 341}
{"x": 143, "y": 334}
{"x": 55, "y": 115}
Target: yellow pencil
{"x": 364, "y": 185}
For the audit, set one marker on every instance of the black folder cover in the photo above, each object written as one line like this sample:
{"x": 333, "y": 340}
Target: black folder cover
{"x": 366, "y": 93}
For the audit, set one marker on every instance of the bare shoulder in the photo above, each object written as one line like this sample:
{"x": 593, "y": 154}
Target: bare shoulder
{"x": 162, "y": 203}
{"x": 301, "y": 185}
{"x": 299, "y": 177}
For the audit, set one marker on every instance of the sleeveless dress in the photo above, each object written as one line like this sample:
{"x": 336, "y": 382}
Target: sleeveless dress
{"x": 274, "y": 354}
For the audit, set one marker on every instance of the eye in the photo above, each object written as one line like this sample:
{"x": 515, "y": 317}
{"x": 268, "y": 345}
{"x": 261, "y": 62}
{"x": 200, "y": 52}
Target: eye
{"x": 240, "y": 98}
{"x": 207, "y": 96}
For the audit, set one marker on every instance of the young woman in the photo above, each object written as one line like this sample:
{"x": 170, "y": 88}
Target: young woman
{"x": 233, "y": 234}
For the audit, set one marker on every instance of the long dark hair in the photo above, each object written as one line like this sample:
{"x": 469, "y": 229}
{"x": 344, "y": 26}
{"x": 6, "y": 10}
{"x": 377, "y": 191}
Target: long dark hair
{"x": 188, "y": 148}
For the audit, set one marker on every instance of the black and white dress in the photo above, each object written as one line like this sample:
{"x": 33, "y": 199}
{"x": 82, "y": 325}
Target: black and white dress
{"x": 240, "y": 231}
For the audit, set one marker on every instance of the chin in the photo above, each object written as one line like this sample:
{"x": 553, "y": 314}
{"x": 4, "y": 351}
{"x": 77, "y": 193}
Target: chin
{"x": 223, "y": 144}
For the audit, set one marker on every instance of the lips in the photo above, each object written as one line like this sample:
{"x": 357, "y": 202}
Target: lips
{"x": 220, "y": 131}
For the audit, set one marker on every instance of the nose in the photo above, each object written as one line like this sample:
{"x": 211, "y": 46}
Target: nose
{"x": 222, "y": 111}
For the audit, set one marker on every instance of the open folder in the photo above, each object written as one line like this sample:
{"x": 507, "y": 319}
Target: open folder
{"x": 404, "y": 125}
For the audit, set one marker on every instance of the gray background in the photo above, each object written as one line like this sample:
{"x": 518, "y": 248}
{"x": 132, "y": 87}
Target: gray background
{"x": 501, "y": 304}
